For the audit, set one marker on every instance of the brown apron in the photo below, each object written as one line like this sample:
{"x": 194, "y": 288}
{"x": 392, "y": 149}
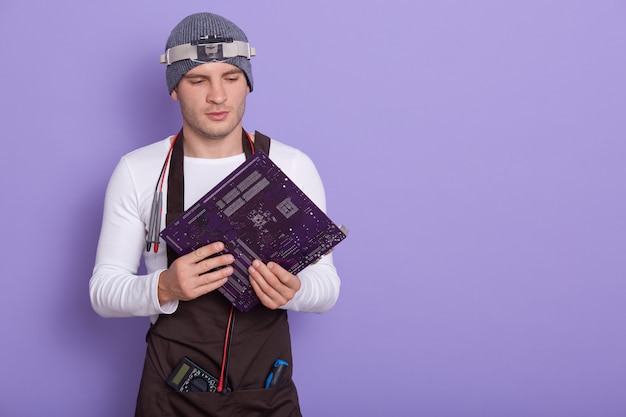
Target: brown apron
{"x": 197, "y": 330}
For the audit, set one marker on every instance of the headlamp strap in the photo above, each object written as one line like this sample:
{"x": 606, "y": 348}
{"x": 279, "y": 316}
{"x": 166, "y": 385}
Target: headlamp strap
{"x": 208, "y": 50}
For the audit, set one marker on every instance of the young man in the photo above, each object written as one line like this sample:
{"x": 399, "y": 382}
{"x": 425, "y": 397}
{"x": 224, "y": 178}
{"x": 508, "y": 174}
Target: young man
{"x": 209, "y": 74}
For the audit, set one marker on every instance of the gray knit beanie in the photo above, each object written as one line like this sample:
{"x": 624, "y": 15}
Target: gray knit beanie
{"x": 191, "y": 29}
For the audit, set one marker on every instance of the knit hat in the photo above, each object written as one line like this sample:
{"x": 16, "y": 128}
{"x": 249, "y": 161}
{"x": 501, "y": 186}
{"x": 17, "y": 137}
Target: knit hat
{"x": 202, "y": 26}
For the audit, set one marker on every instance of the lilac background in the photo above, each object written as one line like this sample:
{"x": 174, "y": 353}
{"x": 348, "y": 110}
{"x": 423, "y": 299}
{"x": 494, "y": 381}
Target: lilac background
{"x": 474, "y": 148}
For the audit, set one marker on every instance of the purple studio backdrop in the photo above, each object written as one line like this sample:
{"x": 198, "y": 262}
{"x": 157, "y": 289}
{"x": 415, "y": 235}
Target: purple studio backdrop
{"x": 475, "y": 150}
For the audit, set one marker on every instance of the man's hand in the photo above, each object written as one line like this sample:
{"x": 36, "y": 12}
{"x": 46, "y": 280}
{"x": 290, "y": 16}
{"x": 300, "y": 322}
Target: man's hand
{"x": 187, "y": 277}
{"x": 273, "y": 284}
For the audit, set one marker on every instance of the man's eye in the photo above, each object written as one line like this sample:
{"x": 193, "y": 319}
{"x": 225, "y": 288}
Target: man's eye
{"x": 196, "y": 80}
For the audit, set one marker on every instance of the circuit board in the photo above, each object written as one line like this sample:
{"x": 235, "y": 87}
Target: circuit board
{"x": 258, "y": 213}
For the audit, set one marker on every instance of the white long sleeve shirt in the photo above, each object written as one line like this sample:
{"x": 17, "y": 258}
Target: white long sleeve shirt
{"x": 117, "y": 290}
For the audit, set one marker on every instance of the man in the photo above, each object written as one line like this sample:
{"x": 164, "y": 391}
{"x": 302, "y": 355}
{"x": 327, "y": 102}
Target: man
{"x": 209, "y": 74}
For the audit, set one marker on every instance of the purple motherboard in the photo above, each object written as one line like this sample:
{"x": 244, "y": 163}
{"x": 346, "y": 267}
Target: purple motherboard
{"x": 258, "y": 213}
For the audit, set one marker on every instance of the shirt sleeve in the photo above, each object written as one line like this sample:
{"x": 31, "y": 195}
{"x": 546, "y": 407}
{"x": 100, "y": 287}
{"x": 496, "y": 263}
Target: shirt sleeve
{"x": 115, "y": 288}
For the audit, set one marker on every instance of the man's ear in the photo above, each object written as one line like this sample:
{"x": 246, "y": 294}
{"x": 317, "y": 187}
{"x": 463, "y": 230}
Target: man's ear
{"x": 174, "y": 94}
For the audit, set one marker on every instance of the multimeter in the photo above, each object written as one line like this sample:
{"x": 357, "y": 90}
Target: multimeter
{"x": 189, "y": 377}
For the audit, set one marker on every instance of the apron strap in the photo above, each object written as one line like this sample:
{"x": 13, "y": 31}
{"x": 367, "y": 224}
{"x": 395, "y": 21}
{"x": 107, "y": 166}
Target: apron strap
{"x": 261, "y": 142}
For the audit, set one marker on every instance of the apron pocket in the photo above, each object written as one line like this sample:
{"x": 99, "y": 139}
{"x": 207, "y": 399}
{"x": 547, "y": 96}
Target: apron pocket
{"x": 276, "y": 402}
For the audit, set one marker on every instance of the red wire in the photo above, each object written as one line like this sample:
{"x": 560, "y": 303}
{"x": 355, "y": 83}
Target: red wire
{"x": 167, "y": 160}
{"x": 221, "y": 383}
{"x": 251, "y": 142}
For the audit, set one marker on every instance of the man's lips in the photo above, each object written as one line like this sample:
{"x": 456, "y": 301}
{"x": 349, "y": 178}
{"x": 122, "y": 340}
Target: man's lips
{"x": 217, "y": 115}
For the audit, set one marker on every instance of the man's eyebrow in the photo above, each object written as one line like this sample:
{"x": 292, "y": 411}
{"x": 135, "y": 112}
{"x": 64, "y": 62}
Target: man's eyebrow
{"x": 233, "y": 71}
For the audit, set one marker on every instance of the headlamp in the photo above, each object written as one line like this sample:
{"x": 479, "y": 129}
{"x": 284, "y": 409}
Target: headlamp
{"x": 208, "y": 49}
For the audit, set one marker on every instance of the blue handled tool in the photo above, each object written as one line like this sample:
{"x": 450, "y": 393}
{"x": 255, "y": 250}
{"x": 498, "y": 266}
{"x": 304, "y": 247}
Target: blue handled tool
{"x": 277, "y": 373}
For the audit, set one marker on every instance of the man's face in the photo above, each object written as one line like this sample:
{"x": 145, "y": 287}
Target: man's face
{"x": 212, "y": 100}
